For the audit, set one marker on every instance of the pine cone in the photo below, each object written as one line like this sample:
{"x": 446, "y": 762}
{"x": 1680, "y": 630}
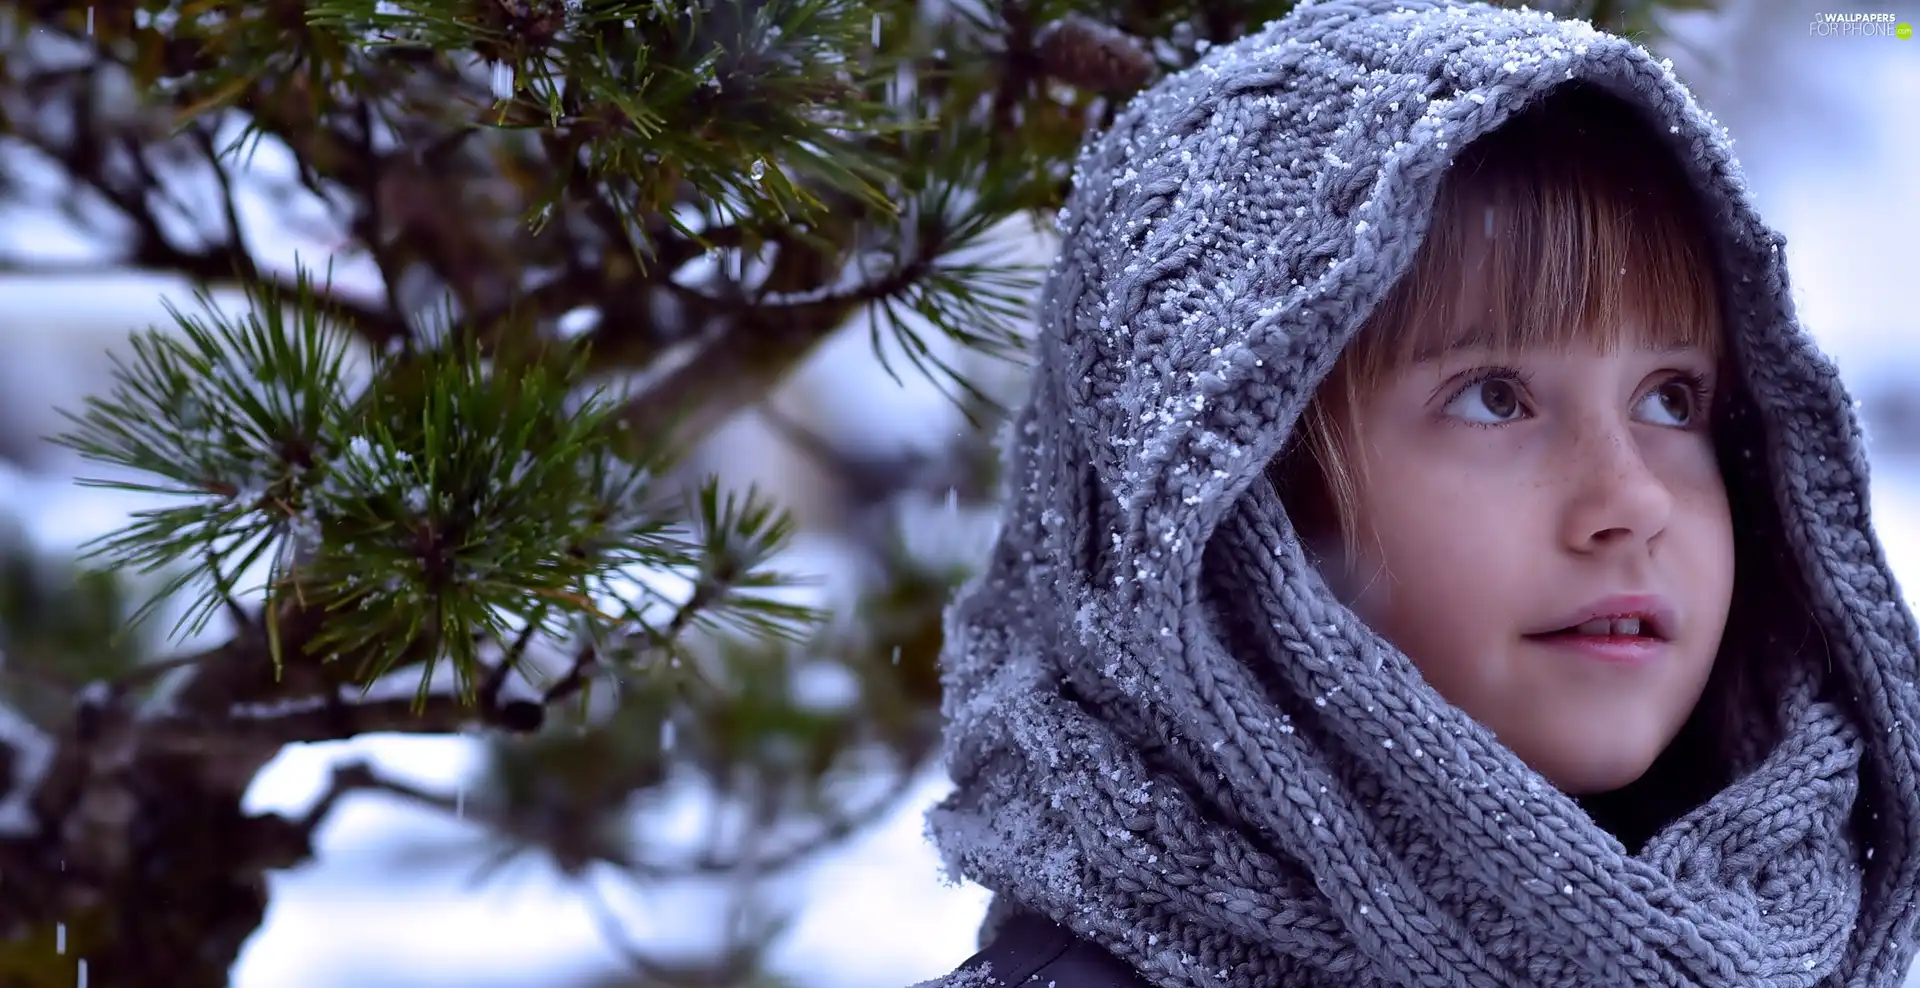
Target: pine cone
{"x": 1083, "y": 52}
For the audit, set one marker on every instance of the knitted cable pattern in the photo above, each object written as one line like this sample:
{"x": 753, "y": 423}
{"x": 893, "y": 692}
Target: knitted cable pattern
{"x": 1168, "y": 735}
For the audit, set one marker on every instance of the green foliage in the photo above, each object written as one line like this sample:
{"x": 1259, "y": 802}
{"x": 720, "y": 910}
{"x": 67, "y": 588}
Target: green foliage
{"x": 232, "y": 416}
{"x": 450, "y": 502}
{"x": 656, "y": 93}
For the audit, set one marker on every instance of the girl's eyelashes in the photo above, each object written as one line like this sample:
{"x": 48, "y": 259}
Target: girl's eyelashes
{"x": 1491, "y": 396}
{"x": 1682, "y": 399}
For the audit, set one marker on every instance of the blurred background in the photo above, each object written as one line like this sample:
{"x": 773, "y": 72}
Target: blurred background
{"x": 401, "y": 895}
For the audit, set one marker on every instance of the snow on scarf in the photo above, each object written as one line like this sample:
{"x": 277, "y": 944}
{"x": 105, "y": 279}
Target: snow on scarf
{"x": 1280, "y": 800}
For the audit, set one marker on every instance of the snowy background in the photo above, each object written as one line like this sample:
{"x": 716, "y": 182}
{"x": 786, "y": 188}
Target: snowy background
{"x": 1828, "y": 129}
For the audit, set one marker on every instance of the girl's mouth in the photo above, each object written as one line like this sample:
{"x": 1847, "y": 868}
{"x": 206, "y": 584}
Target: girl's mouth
{"x": 1626, "y": 627}
{"x": 1618, "y": 618}
{"x": 1611, "y": 640}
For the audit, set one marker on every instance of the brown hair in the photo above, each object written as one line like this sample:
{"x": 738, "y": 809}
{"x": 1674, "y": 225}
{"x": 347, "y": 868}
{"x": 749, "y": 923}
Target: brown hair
{"x": 1580, "y": 224}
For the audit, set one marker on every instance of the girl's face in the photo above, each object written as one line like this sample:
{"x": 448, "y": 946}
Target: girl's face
{"x": 1503, "y": 500}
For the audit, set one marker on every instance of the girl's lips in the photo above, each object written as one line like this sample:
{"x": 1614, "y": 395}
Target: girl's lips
{"x": 1616, "y": 649}
{"x": 1656, "y": 614}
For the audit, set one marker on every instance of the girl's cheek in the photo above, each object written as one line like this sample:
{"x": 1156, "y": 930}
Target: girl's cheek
{"x": 1468, "y": 454}
{"x": 1687, "y": 463}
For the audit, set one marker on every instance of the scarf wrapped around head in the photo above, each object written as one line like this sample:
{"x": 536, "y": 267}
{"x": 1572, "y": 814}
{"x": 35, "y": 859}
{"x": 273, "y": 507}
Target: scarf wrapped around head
{"x": 1169, "y": 736}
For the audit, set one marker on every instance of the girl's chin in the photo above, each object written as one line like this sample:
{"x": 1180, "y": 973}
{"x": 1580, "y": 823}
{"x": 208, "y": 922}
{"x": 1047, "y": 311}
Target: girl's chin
{"x": 1600, "y": 755}
{"x": 1584, "y": 774}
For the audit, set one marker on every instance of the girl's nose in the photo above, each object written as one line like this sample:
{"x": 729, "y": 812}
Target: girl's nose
{"x": 1614, "y": 498}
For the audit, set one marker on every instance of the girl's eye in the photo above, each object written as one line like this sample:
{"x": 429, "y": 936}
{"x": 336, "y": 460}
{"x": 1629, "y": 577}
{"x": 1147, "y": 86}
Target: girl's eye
{"x": 1676, "y": 402}
{"x": 1488, "y": 401}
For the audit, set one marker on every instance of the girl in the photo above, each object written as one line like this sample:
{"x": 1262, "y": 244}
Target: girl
{"x": 1435, "y": 555}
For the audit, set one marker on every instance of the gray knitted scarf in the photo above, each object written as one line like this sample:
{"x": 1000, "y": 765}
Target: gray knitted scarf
{"x": 1169, "y": 736}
